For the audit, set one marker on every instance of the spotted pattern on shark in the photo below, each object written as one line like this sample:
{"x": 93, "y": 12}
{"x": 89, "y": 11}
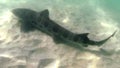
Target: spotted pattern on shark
{"x": 31, "y": 20}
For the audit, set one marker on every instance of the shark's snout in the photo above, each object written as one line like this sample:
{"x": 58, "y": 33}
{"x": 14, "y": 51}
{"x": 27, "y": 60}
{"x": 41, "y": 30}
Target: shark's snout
{"x": 24, "y": 13}
{"x": 17, "y": 12}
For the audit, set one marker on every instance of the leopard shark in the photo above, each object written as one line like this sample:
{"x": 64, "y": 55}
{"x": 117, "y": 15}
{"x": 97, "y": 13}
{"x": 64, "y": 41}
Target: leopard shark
{"x": 31, "y": 20}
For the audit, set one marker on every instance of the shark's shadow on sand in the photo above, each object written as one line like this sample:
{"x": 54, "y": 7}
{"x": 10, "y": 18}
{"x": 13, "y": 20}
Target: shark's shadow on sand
{"x": 32, "y": 20}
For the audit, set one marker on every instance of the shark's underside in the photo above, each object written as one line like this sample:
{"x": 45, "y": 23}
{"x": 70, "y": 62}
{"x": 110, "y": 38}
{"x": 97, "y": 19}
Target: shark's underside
{"x": 31, "y": 20}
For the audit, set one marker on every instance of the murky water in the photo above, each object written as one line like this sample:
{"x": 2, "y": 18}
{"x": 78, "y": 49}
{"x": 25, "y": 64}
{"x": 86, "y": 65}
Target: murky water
{"x": 38, "y": 50}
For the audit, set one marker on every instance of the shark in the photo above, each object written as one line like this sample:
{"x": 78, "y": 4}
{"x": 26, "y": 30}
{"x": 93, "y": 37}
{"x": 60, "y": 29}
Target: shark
{"x": 32, "y": 20}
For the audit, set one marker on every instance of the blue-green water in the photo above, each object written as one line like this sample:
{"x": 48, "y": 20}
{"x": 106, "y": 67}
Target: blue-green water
{"x": 109, "y": 6}
{"x": 37, "y": 50}
{"x": 113, "y": 7}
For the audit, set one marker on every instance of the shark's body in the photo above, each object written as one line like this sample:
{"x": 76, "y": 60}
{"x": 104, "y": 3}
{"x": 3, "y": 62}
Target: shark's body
{"x": 40, "y": 20}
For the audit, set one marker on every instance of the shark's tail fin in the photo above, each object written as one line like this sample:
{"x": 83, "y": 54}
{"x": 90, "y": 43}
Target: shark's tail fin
{"x": 83, "y": 38}
{"x": 99, "y": 43}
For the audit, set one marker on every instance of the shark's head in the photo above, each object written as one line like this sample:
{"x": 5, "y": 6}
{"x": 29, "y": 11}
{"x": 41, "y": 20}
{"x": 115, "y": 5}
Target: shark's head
{"x": 24, "y": 13}
{"x": 26, "y": 18}
{"x": 30, "y": 19}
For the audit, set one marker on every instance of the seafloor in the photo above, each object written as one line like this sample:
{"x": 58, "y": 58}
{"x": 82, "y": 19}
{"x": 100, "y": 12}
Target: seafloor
{"x": 38, "y": 50}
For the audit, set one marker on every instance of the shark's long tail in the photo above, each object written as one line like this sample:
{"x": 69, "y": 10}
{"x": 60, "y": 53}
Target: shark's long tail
{"x": 83, "y": 38}
{"x": 99, "y": 43}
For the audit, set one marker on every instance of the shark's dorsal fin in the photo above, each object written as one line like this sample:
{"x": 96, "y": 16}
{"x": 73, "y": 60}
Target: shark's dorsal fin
{"x": 44, "y": 13}
{"x": 42, "y": 16}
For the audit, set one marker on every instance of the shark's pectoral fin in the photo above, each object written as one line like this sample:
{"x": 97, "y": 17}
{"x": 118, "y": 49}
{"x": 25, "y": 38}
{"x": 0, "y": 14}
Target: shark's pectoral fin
{"x": 26, "y": 18}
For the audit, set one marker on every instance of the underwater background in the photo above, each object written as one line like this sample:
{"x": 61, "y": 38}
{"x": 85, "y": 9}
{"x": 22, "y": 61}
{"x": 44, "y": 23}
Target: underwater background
{"x": 37, "y": 50}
